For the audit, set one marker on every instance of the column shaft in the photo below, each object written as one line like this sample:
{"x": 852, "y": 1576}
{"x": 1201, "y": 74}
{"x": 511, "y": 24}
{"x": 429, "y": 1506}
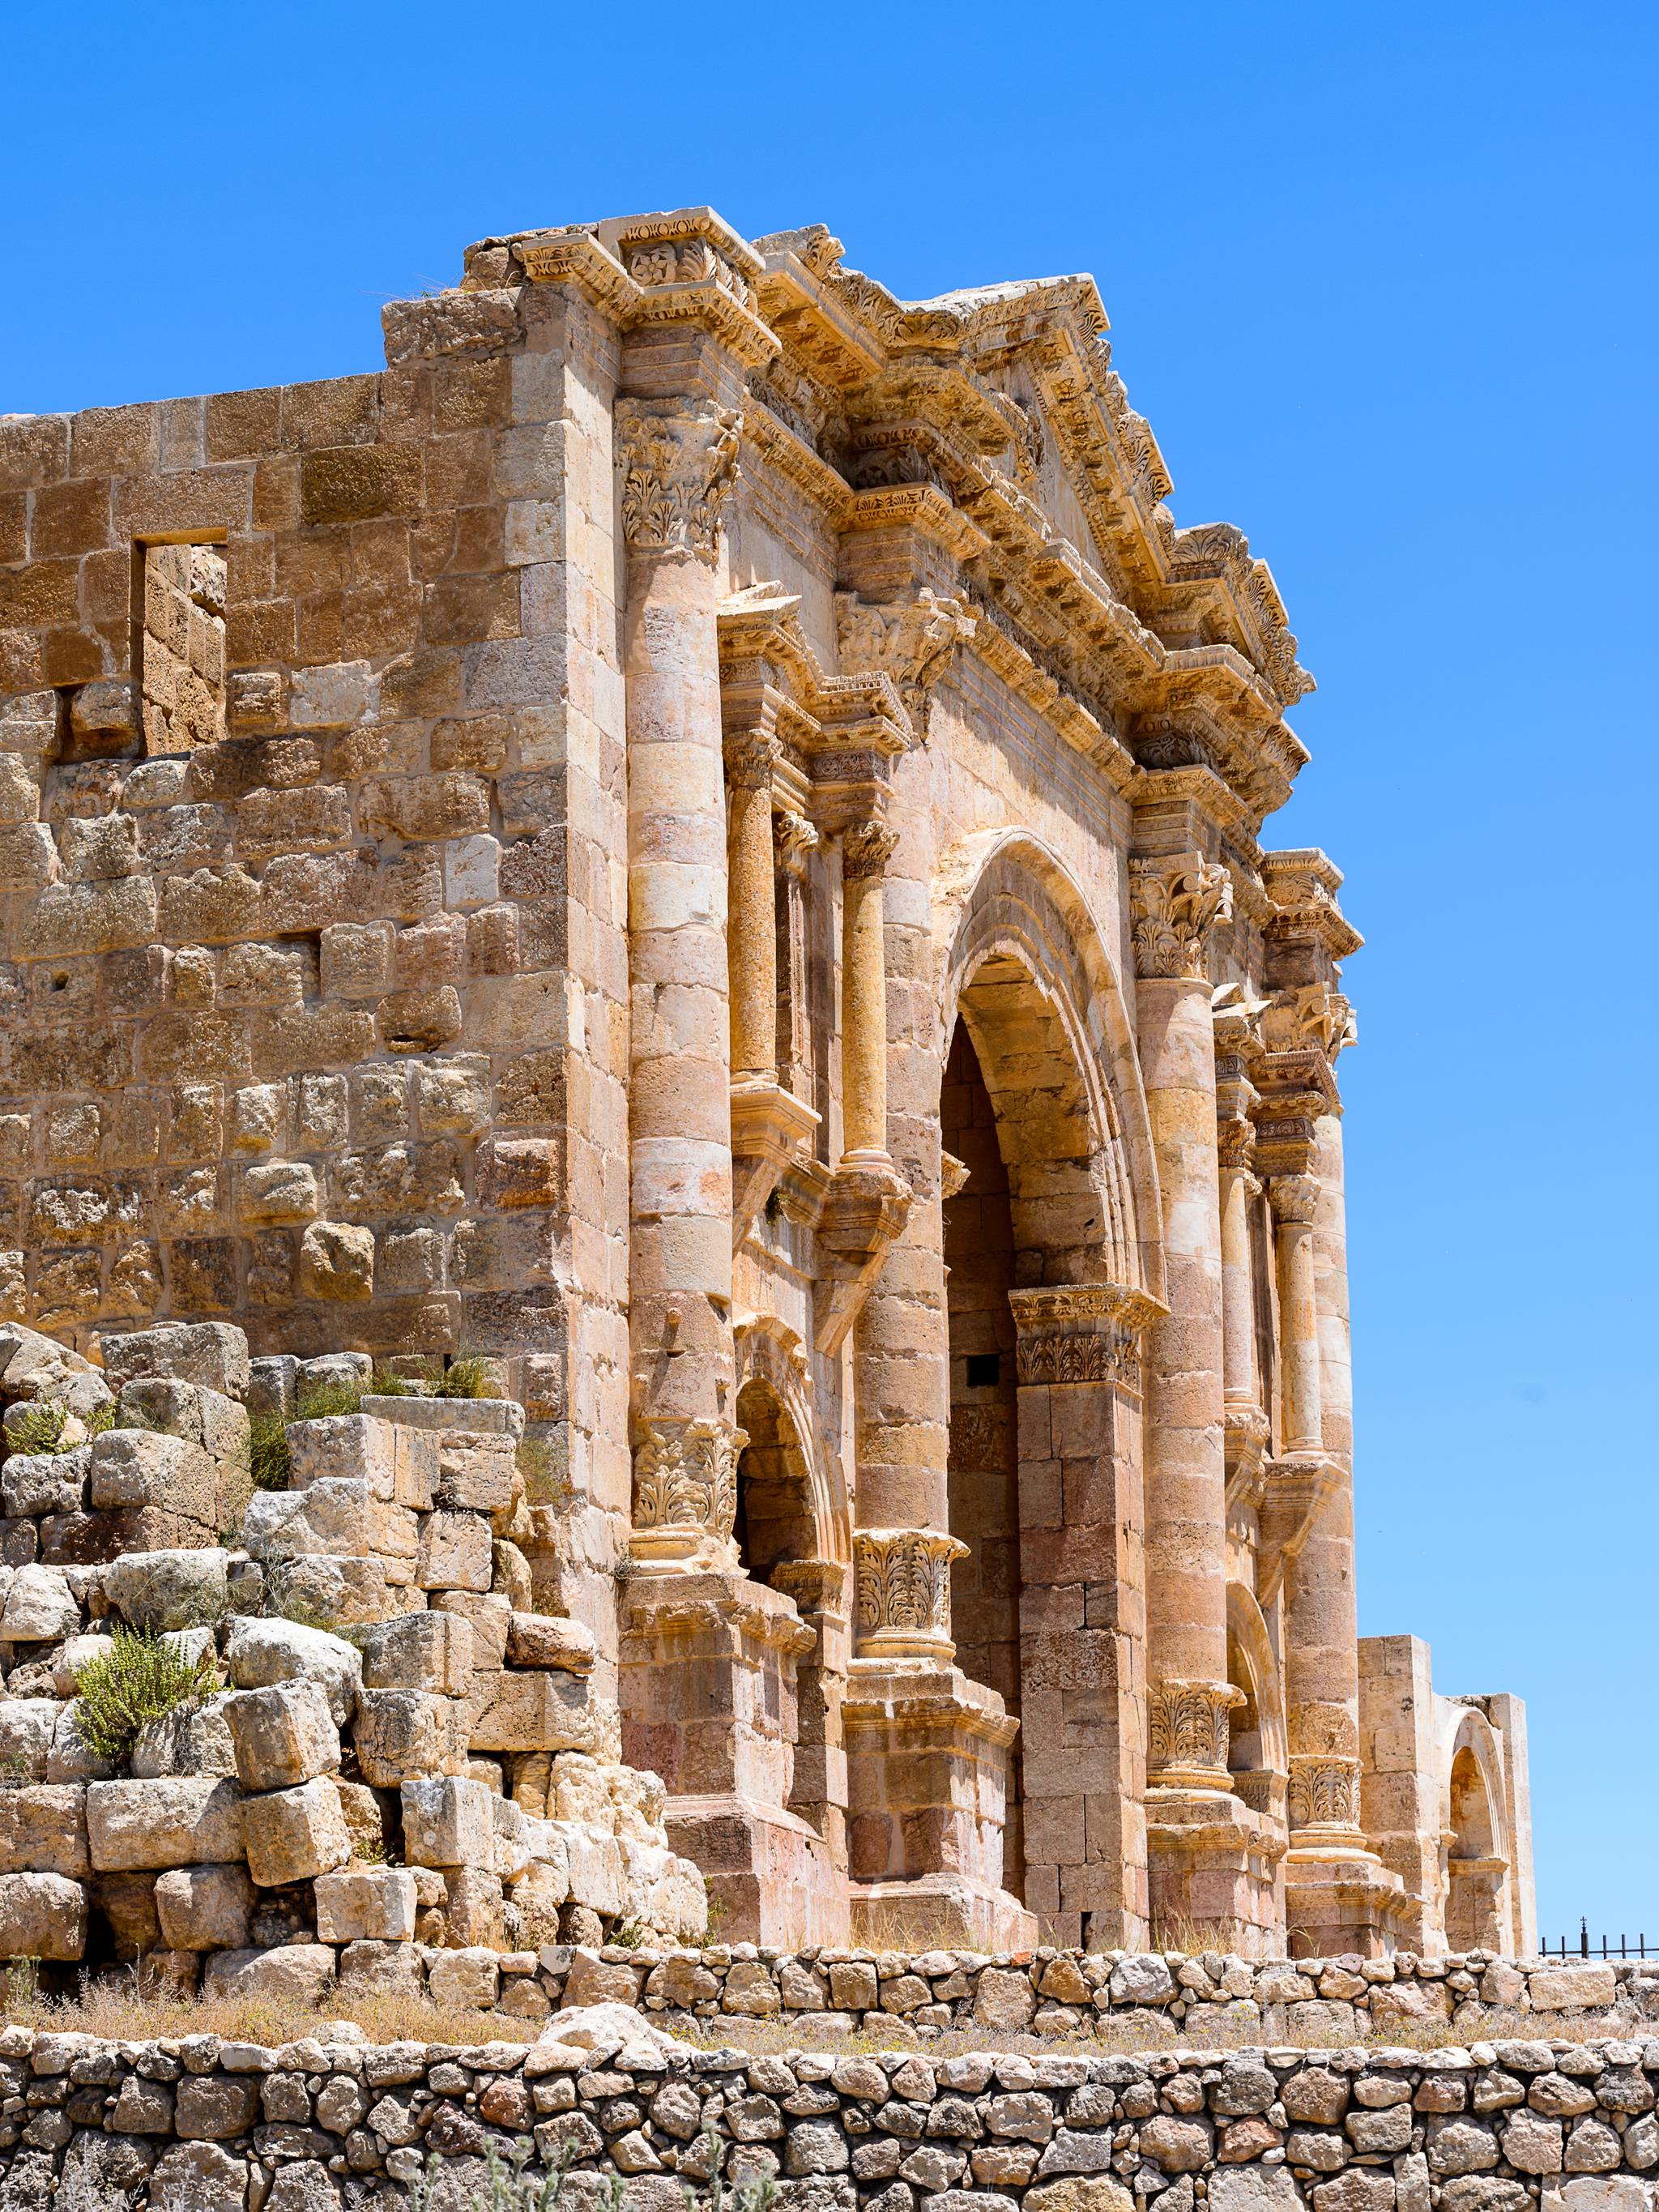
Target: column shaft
{"x": 865, "y": 852}
{"x": 1294, "y": 1199}
{"x": 1237, "y": 1286}
{"x": 753, "y": 928}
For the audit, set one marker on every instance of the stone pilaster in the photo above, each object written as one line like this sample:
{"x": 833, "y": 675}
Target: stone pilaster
{"x": 1081, "y": 1612}
{"x": 752, "y": 930}
{"x": 866, "y": 850}
{"x": 1295, "y": 1201}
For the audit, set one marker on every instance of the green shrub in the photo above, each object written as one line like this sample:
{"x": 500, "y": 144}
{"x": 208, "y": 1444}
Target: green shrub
{"x": 136, "y": 1680}
{"x": 546, "y": 1482}
{"x": 468, "y": 1377}
{"x": 38, "y": 1428}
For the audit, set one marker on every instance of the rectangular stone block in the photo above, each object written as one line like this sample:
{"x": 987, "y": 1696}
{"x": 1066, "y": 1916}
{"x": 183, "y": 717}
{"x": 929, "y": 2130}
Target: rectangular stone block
{"x": 282, "y": 1734}
{"x": 346, "y": 1445}
{"x": 335, "y": 1516}
{"x": 42, "y": 1916}
{"x": 448, "y": 1822}
{"x": 540, "y": 1639}
{"x": 420, "y": 1651}
{"x": 179, "y": 1821}
{"x": 138, "y": 1467}
{"x": 43, "y": 1829}
{"x": 293, "y": 1834}
{"x": 477, "y": 1474}
{"x": 212, "y": 1353}
{"x": 205, "y": 1908}
{"x": 402, "y": 1733}
{"x": 540, "y": 1710}
{"x": 454, "y": 1552}
{"x": 365, "y": 1904}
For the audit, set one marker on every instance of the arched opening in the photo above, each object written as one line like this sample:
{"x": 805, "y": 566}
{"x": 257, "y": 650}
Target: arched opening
{"x": 984, "y": 1444}
{"x": 774, "y": 1522}
{"x": 1476, "y": 1865}
{"x": 1256, "y": 1746}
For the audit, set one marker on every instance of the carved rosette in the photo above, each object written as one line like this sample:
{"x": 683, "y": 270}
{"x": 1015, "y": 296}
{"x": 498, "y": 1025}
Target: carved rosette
{"x": 1174, "y": 904}
{"x": 1187, "y": 1745}
{"x": 1324, "y": 1791}
{"x": 866, "y": 848}
{"x": 678, "y": 463}
{"x": 1294, "y": 1199}
{"x": 685, "y": 1488}
{"x": 902, "y": 1602}
{"x": 1083, "y": 1332}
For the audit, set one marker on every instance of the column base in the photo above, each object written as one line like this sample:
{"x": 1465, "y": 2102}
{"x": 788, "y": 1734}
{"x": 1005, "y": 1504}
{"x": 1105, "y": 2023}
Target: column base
{"x": 1213, "y": 1873}
{"x": 940, "y": 1913}
{"x": 771, "y": 1877}
{"x": 1339, "y": 1897}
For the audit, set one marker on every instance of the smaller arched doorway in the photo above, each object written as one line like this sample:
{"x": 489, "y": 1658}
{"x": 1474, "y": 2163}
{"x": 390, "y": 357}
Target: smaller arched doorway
{"x": 1257, "y": 1747}
{"x": 1476, "y": 1844}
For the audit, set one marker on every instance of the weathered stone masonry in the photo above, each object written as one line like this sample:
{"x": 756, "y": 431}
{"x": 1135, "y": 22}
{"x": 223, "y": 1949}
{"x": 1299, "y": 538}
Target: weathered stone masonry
{"x": 699, "y": 836}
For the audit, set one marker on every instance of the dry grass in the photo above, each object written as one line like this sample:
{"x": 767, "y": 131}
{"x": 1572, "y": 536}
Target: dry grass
{"x": 117, "y": 2008}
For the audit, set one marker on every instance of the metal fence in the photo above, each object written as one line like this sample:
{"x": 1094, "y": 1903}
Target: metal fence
{"x": 1586, "y": 1946}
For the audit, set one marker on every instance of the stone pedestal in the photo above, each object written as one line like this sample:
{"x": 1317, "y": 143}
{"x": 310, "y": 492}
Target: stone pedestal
{"x": 709, "y": 1701}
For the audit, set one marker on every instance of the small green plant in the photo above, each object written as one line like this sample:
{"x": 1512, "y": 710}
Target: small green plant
{"x": 754, "y": 2193}
{"x": 372, "y": 1853}
{"x": 269, "y": 1460}
{"x": 629, "y": 1936}
{"x": 22, "y": 1987}
{"x": 545, "y": 1481}
{"x": 507, "y": 2186}
{"x": 466, "y": 1377}
{"x": 38, "y": 1429}
{"x": 136, "y": 1680}
{"x": 100, "y": 1419}
{"x": 13, "y": 1771}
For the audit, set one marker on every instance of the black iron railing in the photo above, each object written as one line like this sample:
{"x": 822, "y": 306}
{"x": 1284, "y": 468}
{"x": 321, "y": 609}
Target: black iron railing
{"x": 1586, "y": 1946}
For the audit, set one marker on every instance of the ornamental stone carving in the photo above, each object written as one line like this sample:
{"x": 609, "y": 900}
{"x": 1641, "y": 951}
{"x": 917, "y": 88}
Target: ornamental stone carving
{"x": 908, "y": 640}
{"x": 1082, "y": 1332}
{"x": 678, "y": 463}
{"x": 1308, "y": 1017}
{"x": 793, "y": 838}
{"x": 1324, "y": 1790}
{"x": 750, "y": 761}
{"x": 902, "y": 1589}
{"x": 685, "y": 1486}
{"x": 1174, "y": 904}
{"x": 1189, "y": 1730}
{"x": 1294, "y": 1199}
{"x": 866, "y": 848}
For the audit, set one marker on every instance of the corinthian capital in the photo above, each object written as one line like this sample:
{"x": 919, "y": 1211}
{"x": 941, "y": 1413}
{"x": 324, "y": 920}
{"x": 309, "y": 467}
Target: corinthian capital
{"x": 678, "y": 461}
{"x": 910, "y": 640}
{"x": 1174, "y": 903}
{"x": 1294, "y": 1199}
{"x": 866, "y": 848}
{"x": 685, "y": 1492}
{"x": 903, "y": 1589}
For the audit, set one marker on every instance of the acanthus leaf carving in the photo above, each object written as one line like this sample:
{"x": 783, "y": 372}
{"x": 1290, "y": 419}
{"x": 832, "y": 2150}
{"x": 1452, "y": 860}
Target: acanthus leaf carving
{"x": 1324, "y": 1790}
{"x": 679, "y": 463}
{"x": 866, "y": 847}
{"x": 1188, "y": 1727}
{"x": 685, "y": 1480}
{"x": 902, "y": 1585}
{"x": 908, "y": 640}
{"x": 1174, "y": 903}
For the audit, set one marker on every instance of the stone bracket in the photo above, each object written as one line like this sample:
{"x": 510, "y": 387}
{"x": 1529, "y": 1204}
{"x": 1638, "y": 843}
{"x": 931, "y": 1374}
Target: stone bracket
{"x": 1294, "y": 1491}
{"x": 863, "y": 1211}
{"x": 769, "y": 1126}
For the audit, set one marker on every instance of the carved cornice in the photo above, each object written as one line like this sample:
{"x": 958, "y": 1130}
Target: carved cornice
{"x": 1307, "y": 1016}
{"x": 1174, "y": 901}
{"x": 902, "y": 1589}
{"x": 908, "y": 640}
{"x": 685, "y": 1487}
{"x": 1082, "y": 1332}
{"x": 1303, "y": 885}
{"x": 679, "y": 462}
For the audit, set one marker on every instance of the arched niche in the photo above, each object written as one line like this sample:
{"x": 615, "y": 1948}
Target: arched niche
{"x": 1476, "y": 1856}
{"x": 1258, "y": 1752}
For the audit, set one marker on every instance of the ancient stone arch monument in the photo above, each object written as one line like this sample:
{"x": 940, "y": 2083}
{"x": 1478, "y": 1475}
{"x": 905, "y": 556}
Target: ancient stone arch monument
{"x": 697, "y": 839}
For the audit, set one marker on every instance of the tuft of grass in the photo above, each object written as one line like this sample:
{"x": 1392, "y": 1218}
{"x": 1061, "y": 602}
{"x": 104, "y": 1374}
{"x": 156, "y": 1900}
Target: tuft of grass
{"x": 269, "y": 1460}
{"x": 136, "y": 1680}
{"x": 545, "y": 1482}
{"x": 99, "y": 1419}
{"x": 122, "y": 2007}
{"x": 467, "y": 1377}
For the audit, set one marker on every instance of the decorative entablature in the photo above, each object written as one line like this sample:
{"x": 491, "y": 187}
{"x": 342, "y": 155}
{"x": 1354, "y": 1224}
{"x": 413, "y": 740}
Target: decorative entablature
{"x": 860, "y": 397}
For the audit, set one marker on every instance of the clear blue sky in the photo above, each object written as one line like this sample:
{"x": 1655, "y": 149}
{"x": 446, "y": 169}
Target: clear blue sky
{"x": 1382, "y": 279}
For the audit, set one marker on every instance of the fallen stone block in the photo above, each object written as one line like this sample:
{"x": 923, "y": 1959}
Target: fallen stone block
{"x": 42, "y": 1916}
{"x": 469, "y": 1978}
{"x": 420, "y": 1651}
{"x": 503, "y": 1417}
{"x": 335, "y": 1516}
{"x": 292, "y": 1835}
{"x": 70, "y": 1657}
{"x": 29, "y": 1361}
{"x": 142, "y": 1467}
{"x": 182, "y": 1821}
{"x": 293, "y": 1973}
{"x": 205, "y": 1908}
{"x": 40, "y": 1607}
{"x": 70, "y": 1758}
{"x": 26, "y": 1728}
{"x": 447, "y": 1821}
{"x": 343, "y": 1447}
{"x": 282, "y": 1736}
{"x": 487, "y": 1614}
{"x": 127, "y": 1902}
{"x": 193, "y": 1739}
{"x": 35, "y": 1483}
{"x": 168, "y": 1589}
{"x": 261, "y": 1653}
{"x": 371, "y": 1968}
{"x": 43, "y": 1829}
{"x": 473, "y": 1912}
{"x": 348, "y": 1592}
{"x": 511, "y": 1826}
{"x": 542, "y": 1639}
{"x": 372, "y": 1904}
{"x": 190, "y": 1410}
{"x": 454, "y": 1551}
{"x": 594, "y": 1866}
{"x": 544, "y": 1709}
{"x": 477, "y": 1473}
{"x": 212, "y": 1353}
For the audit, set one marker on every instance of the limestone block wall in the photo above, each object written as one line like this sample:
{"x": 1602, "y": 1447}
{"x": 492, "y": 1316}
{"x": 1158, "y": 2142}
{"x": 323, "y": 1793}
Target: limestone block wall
{"x": 329, "y": 2122}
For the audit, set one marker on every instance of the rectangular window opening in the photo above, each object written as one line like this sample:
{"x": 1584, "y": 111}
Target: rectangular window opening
{"x": 984, "y": 1369}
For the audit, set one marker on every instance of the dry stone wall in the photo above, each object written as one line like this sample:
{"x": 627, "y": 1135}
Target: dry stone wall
{"x": 330, "y": 2123}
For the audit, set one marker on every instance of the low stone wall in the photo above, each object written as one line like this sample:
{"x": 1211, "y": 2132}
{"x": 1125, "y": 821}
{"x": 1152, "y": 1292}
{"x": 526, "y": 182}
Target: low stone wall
{"x": 1153, "y": 1997}
{"x": 203, "y": 2125}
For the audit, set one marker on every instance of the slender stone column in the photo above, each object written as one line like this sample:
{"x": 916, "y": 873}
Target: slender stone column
{"x": 1177, "y": 900}
{"x": 753, "y": 934}
{"x": 1295, "y": 1201}
{"x": 1238, "y": 1187}
{"x": 865, "y": 851}
{"x": 677, "y": 457}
